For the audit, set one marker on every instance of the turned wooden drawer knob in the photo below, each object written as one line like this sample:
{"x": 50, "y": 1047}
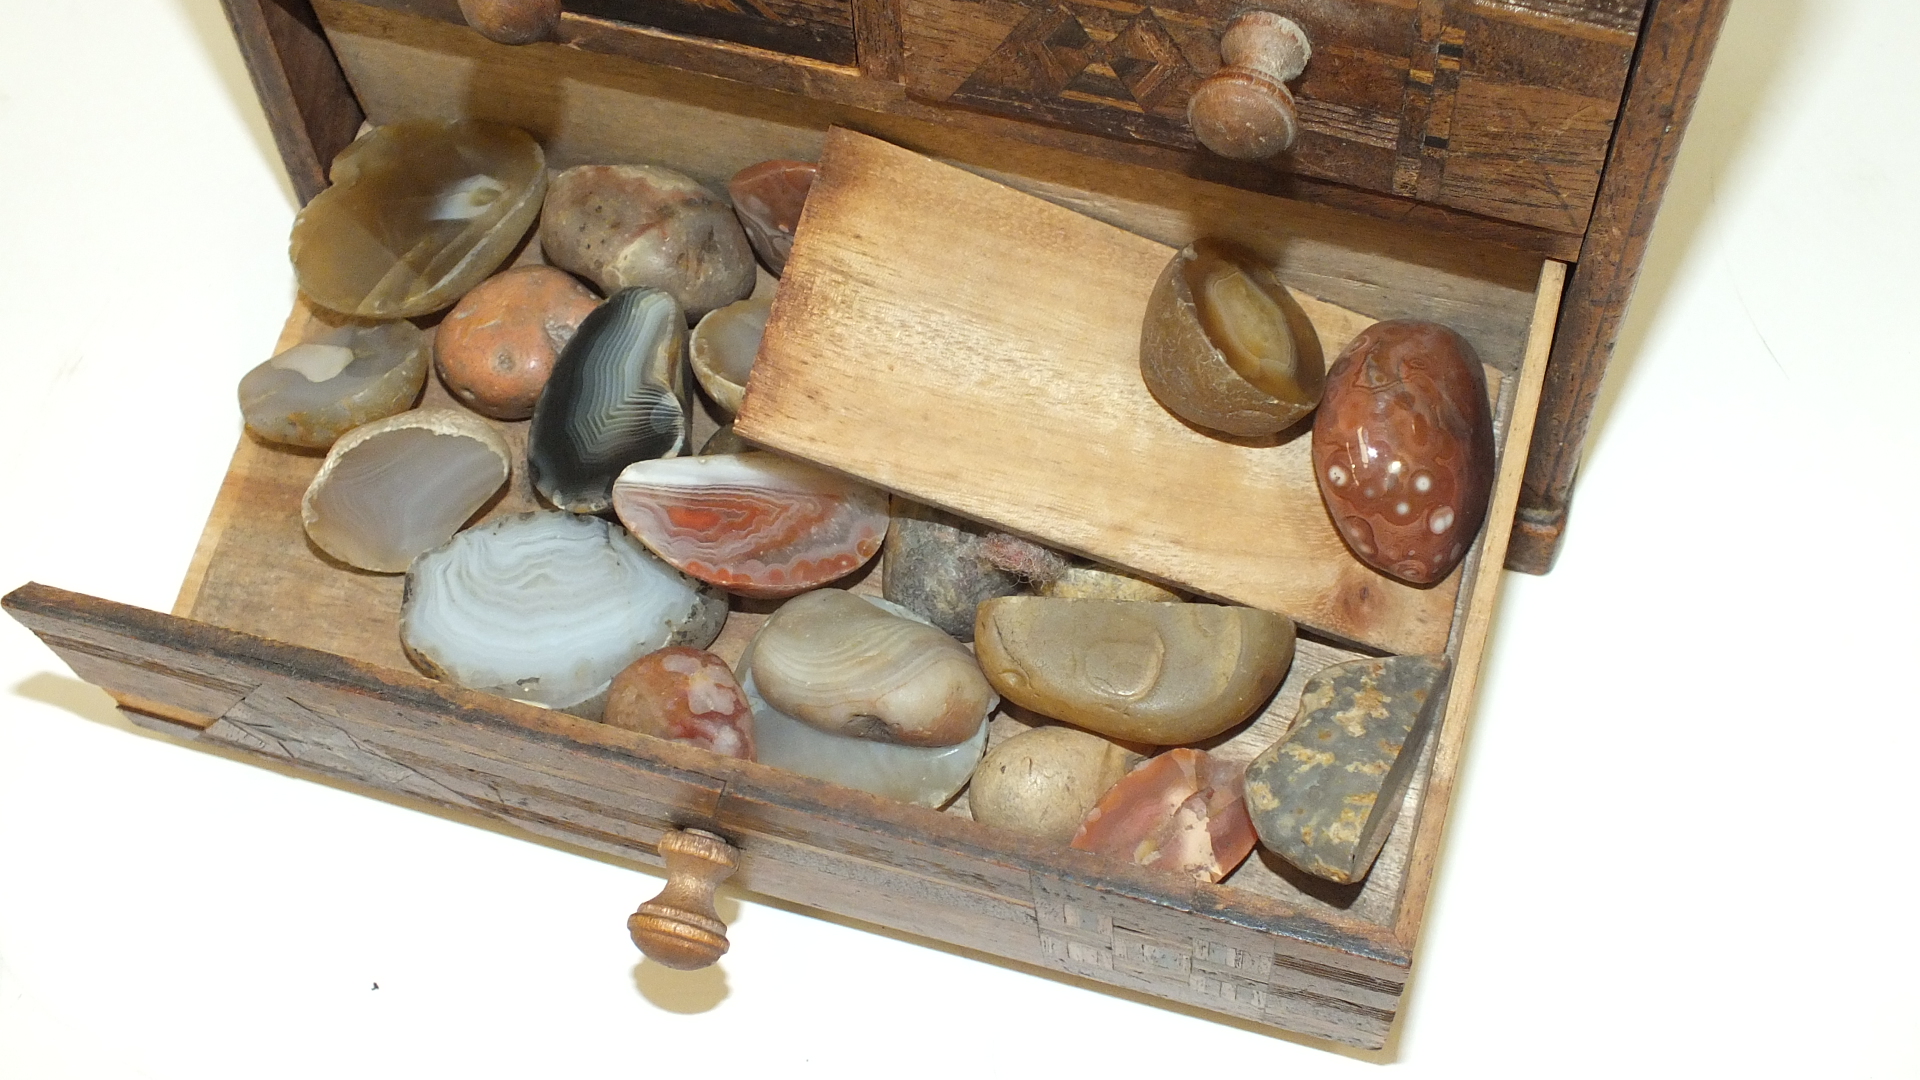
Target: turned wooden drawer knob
{"x": 513, "y": 22}
{"x": 1245, "y": 110}
{"x": 679, "y": 928}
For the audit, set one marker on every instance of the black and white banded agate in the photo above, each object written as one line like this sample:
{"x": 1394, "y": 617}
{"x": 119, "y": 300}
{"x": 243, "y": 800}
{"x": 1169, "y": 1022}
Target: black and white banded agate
{"x": 619, "y": 393}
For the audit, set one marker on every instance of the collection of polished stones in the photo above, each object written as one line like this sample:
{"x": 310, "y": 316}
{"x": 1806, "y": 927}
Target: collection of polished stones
{"x": 604, "y": 605}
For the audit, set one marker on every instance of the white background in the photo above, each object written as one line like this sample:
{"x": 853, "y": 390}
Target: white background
{"x": 1685, "y": 837}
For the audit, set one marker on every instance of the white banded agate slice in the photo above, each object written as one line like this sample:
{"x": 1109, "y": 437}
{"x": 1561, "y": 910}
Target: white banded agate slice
{"x": 924, "y": 775}
{"x": 756, "y": 523}
{"x": 394, "y": 488}
{"x": 548, "y": 607}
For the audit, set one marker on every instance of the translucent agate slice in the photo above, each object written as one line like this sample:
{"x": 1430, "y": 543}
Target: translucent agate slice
{"x": 757, "y": 524}
{"x": 317, "y": 391}
{"x": 419, "y": 212}
{"x": 769, "y": 197}
{"x": 394, "y": 488}
{"x": 1181, "y": 811}
{"x": 618, "y": 394}
{"x": 723, "y": 349}
{"x": 846, "y": 666}
{"x": 548, "y": 608}
{"x": 923, "y": 775}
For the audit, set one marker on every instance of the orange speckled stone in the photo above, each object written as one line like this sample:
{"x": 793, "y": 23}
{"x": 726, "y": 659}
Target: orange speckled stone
{"x": 685, "y": 694}
{"x": 496, "y": 348}
{"x": 1403, "y": 448}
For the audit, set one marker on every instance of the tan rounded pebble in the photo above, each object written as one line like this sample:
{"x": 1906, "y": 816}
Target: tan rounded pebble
{"x": 495, "y": 349}
{"x": 1043, "y": 782}
{"x": 1163, "y": 674}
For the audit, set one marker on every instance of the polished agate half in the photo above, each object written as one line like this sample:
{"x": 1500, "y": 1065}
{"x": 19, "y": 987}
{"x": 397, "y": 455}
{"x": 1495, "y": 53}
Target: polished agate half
{"x": 394, "y": 488}
{"x": 419, "y": 212}
{"x": 756, "y": 523}
{"x": 724, "y": 346}
{"x": 618, "y": 394}
{"x": 768, "y": 198}
{"x": 548, "y": 607}
{"x": 1223, "y": 346}
{"x": 924, "y": 775}
{"x": 352, "y": 374}
{"x": 849, "y": 667}
{"x": 1181, "y": 811}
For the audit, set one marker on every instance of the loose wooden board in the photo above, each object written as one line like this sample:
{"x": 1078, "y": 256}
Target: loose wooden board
{"x": 977, "y": 348}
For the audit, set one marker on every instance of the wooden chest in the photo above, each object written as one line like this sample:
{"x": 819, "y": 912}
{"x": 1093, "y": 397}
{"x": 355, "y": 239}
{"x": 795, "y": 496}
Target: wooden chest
{"x": 1495, "y": 166}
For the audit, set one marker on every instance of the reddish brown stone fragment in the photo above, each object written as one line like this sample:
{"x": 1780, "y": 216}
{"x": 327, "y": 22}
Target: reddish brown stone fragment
{"x": 768, "y": 198}
{"x": 684, "y": 694}
{"x": 1181, "y": 811}
{"x": 1403, "y": 448}
{"x": 495, "y": 349}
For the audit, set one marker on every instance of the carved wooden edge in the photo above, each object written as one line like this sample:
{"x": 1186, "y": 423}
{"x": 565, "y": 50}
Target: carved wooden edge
{"x": 1670, "y": 61}
{"x": 309, "y": 106}
{"x": 871, "y": 88}
{"x": 617, "y": 792}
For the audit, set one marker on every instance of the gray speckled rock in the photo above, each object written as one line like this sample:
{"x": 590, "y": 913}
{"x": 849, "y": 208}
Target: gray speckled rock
{"x": 1325, "y": 797}
{"x": 935, "y": 565}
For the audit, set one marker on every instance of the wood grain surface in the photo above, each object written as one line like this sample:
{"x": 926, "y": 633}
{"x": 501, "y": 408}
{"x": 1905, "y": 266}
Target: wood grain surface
{"x": 985, "y": 359}
{"x": 310, "y": 108}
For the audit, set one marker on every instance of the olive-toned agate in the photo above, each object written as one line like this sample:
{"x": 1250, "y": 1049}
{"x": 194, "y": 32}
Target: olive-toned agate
{"x": 723, "y": 348}
{"x": 1181, "y": 811}
{"x": 1223, "y": 346}
{"x": 621, "y": 226}
{"x": 419, "y": 212}
{"x": 1043, "y": 782}
{"x": 768, "y": 198}
{"x": 1403, "y": 448}
{"x": 684, "y": 694}
{"x": 354, "y": 373}
{"x": 1155, "y": 673}
{"x": 496, "y": 348}
{"x": 1325, "y": 797}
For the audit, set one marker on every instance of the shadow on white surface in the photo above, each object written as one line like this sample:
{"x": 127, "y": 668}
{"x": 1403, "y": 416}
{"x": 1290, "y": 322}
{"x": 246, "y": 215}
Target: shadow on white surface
{"x": 210, "y": 29}
{"x": 682, "y": 992}
{"x": 69, "y": 694}
{"x": 1757, "y": 49}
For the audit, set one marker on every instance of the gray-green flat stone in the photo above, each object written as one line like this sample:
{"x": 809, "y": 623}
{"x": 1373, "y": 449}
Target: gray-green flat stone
{"x": 1325, "y": 797}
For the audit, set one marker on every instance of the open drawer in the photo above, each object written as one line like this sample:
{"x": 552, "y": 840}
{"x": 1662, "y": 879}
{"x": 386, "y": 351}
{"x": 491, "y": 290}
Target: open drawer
{"x": 272, "y": 652}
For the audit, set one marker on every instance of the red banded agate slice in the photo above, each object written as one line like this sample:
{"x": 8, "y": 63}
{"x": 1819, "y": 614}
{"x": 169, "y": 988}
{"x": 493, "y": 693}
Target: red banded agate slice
{"x": 755, "y": 523}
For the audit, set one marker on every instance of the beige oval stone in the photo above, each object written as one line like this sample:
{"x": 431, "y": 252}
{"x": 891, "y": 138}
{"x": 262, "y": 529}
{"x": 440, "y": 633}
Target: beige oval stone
{"x": 1043, "y": 782}
{"x": 1164, "y": 674}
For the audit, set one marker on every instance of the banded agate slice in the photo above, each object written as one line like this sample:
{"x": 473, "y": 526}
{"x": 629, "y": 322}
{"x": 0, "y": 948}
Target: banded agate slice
{"x": 757, "y": 524}
{"x": 548, "y": 608}
{"x": 353, "y": 374}
{"x": 394, "y": 488}
{"x": 418, "y": 213}
{"x": 618, "y": 394}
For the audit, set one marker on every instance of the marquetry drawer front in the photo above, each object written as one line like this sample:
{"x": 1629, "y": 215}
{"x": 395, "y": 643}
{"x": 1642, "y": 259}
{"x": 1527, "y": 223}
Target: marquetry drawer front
{"x": 1499, "y": 107}
{"x": 817, "y": 29}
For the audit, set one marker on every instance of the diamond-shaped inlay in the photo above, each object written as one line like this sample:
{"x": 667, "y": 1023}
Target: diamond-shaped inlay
{"x": 1065, "y": 58}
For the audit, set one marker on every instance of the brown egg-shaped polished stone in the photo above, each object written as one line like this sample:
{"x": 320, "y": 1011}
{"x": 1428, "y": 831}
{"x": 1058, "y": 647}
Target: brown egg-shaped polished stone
{"x": 1224, "y": 346}
{"x": 1403, "y": 448}
{"x": 512, "y": 22}
{"x": 495, "y": 349}
{"x": 768, "y": 197}
{"x": 621, "y": 226}
{"x": 1161, "y": 674}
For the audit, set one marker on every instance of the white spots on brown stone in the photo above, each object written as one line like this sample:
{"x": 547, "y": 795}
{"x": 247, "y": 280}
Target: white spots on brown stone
{"x": 1422, "y": 482}
{"x": 1336, "y": 476}
{"x": 1440, "y": 520}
